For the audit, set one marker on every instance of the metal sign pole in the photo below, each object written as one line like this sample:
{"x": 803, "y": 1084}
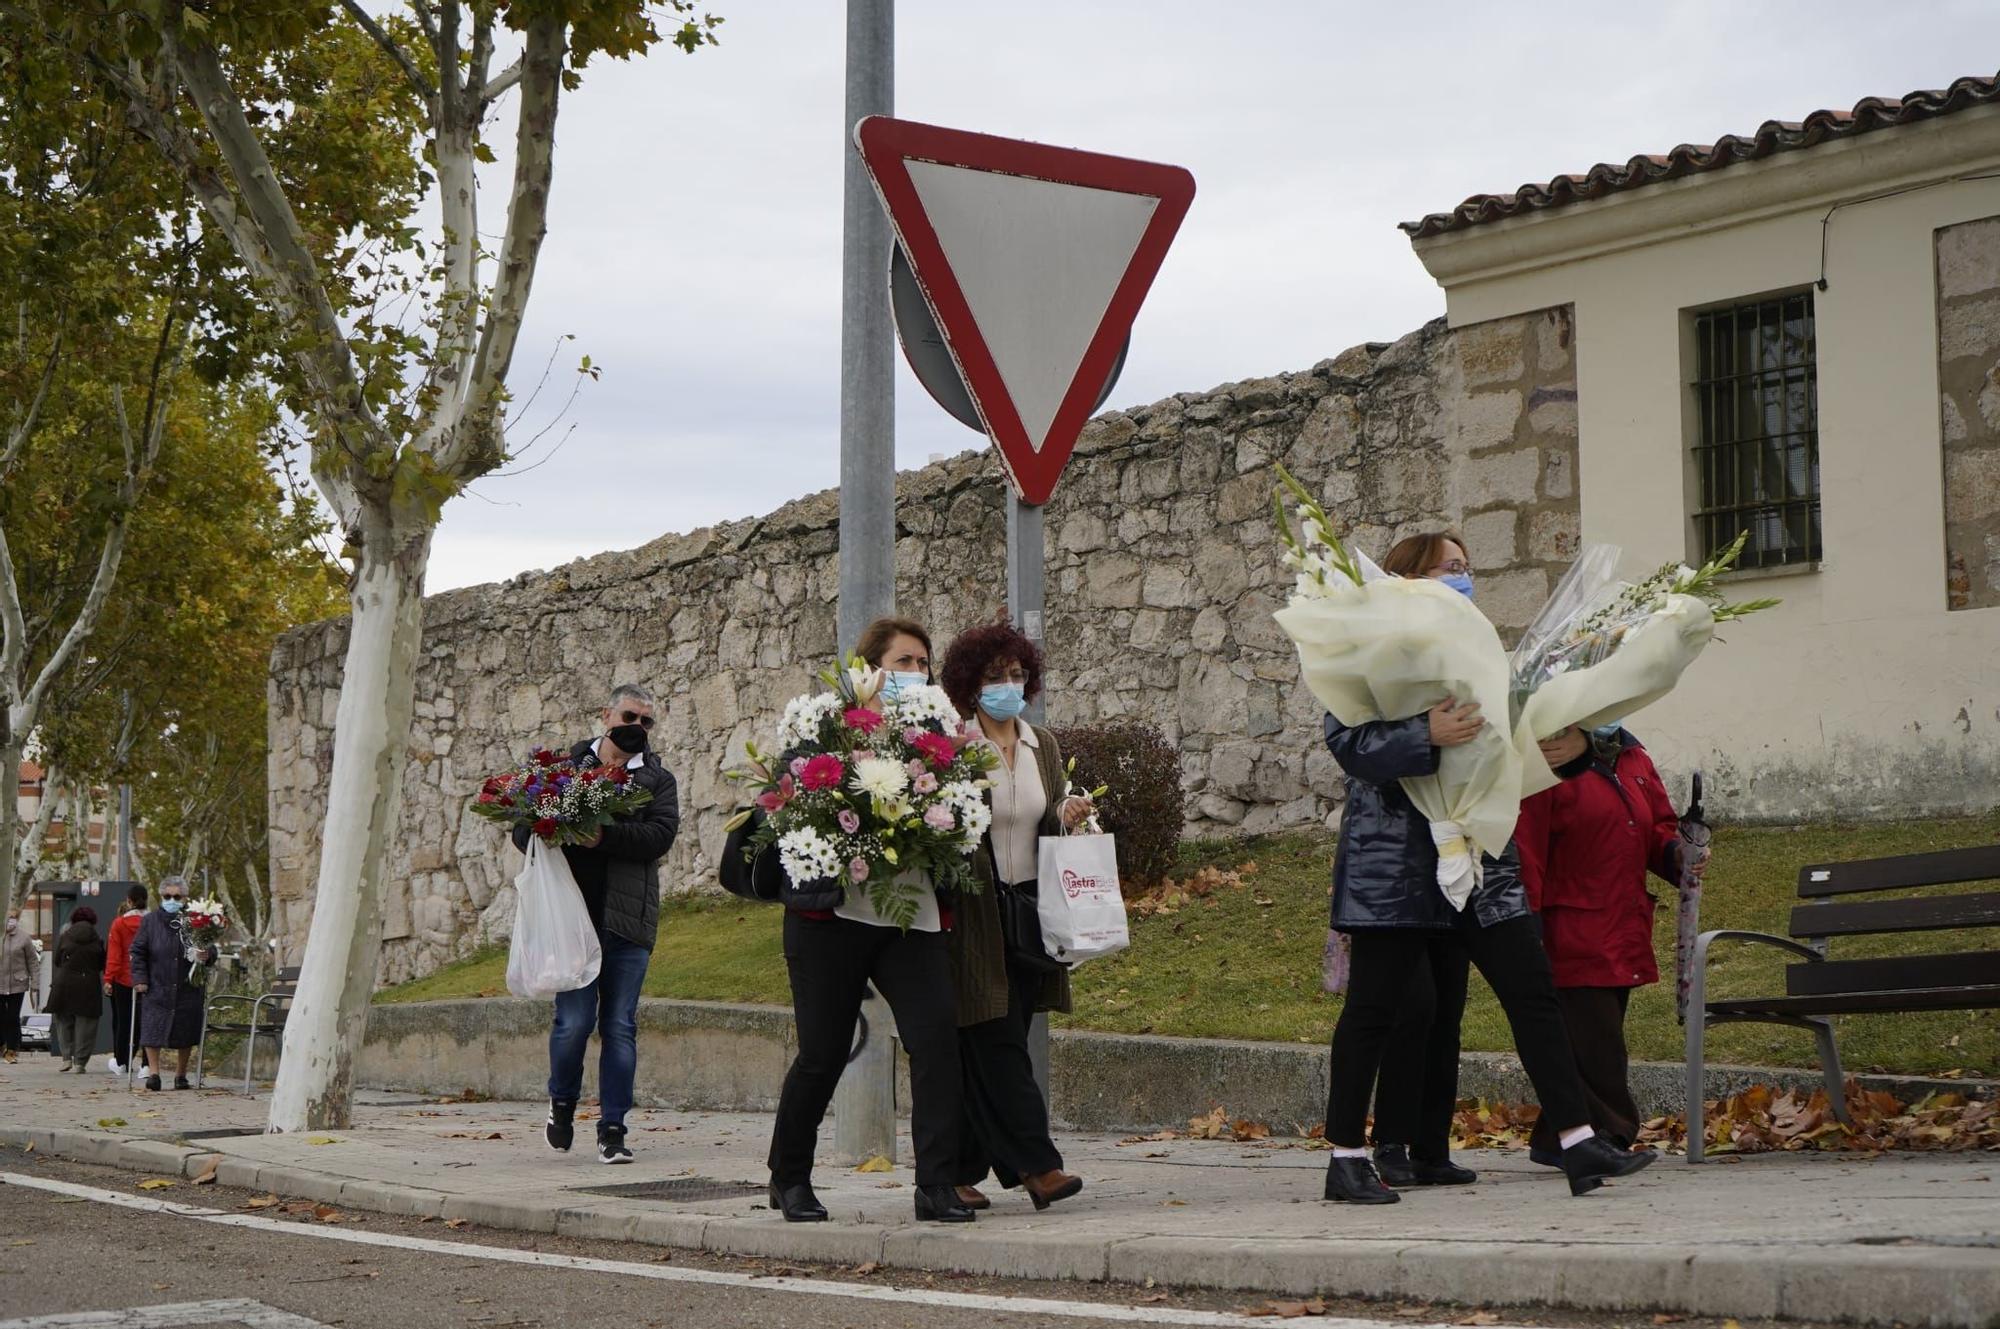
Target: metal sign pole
{"x": 864, "y": 1106}
{"x": 1025, "y": 582}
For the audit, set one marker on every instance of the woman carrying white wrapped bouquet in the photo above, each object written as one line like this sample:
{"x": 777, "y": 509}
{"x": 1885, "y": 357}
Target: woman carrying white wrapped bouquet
{"x": 1409, "y": 942}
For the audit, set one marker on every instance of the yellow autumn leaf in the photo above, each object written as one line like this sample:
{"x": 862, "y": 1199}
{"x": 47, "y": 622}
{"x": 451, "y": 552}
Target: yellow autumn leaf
{"x": 155, "y": 1184}
{"x": 877, "y": 1164}
{"x": 109, "y": 1122}
{"x": 322, "y": 1139}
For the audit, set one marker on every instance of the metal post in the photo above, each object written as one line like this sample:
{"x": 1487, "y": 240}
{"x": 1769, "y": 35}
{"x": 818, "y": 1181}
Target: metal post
{"x": 124, "y": 832}
{"x": 864, "y": 1105}
{"x": 1025, "y": 569}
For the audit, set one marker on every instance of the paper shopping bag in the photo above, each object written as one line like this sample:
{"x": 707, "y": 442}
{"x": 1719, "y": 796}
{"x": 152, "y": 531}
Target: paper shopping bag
{"x": 555, "y": 947}
{"x": 1083, "y": 914}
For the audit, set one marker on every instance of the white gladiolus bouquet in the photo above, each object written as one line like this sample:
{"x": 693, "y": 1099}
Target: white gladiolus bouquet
{"x": 1375, "y": 647}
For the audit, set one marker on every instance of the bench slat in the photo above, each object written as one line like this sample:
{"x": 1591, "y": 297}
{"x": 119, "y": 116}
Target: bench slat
{"x": 1929, "y": 914}
{"x": 1982, "y": 997}
{"x": 1943, "y": 868}
{"x": 1896, "y": 973}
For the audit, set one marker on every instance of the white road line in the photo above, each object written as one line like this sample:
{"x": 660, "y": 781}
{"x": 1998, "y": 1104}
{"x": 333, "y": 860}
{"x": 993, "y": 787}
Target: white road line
{"x": 181, "y": 1315}
{"x": 1078, "y": 1310}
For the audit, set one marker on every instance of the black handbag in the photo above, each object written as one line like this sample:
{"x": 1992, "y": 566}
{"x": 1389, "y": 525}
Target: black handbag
{"x": 762, "y": 880}
{"x": 1021, "y": 927}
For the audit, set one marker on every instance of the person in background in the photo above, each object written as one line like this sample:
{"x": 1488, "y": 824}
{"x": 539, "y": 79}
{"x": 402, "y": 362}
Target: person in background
{"x": 20, "y": 977}
{"x": 1408, "y": 941}
{"x": 118, "y": 974}
{"x": 76, "y": 996}
{"x": 618, "y": 873}
{"x": 836, "y": 944}
{"x": 1586, "y": 846}
{"x": 166, "y": 980}
{"x": 991, "y": 673}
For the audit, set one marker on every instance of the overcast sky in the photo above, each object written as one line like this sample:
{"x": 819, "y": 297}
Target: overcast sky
{"x": 694, "y": 237}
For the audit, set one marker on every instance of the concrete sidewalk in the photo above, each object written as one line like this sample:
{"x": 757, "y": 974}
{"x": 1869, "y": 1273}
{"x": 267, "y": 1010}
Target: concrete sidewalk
{"x": 1913, "y": 1238}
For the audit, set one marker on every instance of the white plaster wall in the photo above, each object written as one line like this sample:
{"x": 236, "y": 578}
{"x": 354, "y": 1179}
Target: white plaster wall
{"x": 1861, "y": 694}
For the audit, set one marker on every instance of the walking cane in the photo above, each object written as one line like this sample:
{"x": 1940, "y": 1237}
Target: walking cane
{"x": 131, "y": 1038}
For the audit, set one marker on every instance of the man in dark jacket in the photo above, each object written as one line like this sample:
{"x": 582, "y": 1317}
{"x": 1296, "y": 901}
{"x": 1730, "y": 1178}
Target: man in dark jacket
{"x": 619, "y": 875}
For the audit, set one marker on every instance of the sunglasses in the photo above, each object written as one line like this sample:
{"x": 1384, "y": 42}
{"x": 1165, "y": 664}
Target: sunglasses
{"x": 633, "y": 717}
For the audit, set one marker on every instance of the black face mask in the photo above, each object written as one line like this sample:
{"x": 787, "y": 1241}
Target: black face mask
{"x": 627, "y": 737}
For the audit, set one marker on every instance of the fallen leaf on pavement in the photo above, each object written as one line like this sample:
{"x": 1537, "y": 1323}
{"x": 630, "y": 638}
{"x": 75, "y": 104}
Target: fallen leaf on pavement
{"x": 1664, "y": 1318}
{"x": 877, "y": 1164}
{"x": 1479, "y": 1317}
{"x": 162, "y": 1287}
{"x": 22, "y": 1241}
{"x": 326, "y": 1213}
{"x": 454, "y": 1222}
{"x": 867, "y": 1268}
{"x": 260, "y": 1202}
{"x": 154, "y": 1113}
{"x": 206, "y": 1177}
{"x": 28, "y": 1148}
{"x": 1209, "y": 1125}
{"x": 155, "y": 1184}
{"x": 1153, "y": 1300}
{"x": 1289, "y": 1310}
{"x": 1178, "y": 1204}
{"x": 322, "y": 1139}
{"x": 109, "y": 1122}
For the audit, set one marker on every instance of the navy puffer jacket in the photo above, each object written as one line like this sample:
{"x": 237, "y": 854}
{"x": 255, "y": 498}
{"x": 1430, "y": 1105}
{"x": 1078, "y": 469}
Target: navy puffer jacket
{"x": 1385, "y": 871}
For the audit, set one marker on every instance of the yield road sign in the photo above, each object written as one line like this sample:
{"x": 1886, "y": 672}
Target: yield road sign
{"x": 1035, "y": 261}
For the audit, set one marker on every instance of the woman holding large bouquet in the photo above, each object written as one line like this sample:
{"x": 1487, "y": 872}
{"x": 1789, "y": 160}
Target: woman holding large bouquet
{"x": 1411, "y": 946}
{"x": 837, "y": 941}
{"x": 991, "y": 674}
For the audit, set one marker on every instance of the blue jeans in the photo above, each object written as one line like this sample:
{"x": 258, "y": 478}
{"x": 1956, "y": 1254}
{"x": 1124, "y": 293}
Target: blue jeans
{"x": 611, "y": 1006}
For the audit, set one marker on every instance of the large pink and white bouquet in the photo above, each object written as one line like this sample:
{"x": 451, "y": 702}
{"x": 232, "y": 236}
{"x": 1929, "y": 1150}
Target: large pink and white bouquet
{"x": 871, "y": 790}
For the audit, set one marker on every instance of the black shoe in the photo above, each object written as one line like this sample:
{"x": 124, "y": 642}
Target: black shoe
{"x": 1546, "y": 1157}
{"x": 797, "y": 1203}
{"x": 153, "y": 1083}
{"x": 561, "y": 1129}
{"x": 1446, "y": 1173}
{"x": 1393, "y": 1166}
{"x": 1589, "y": 1163}
{"x": 1354, "y": 1180}
{"x": 181, "y": 1082}
{"x": 611, "y": 1143}
{"x": 940, "y": 1204}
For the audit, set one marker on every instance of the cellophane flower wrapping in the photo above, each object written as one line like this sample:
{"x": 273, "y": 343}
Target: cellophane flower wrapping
{"x": 1602, "y": 649}
{"x": 879, "y": 793}
{"x": 559, "y": 801}
{"x": 1374, "y": 647}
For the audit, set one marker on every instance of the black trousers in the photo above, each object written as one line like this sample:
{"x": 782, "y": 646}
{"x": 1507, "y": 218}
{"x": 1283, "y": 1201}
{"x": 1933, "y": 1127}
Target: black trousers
{"x": 1595, "y": 1018}
{"x": 121, "y": 1021}
{"x": 1416, "y": 1090}
{"x": 1388, "y": 965}
{"x": 1006, "y": 1122}
{"x": 831, "y": 962}
{"x": 10, "y": 1019}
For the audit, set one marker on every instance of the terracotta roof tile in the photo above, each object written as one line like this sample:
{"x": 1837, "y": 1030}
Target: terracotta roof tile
{"x": 1772, "y": 137}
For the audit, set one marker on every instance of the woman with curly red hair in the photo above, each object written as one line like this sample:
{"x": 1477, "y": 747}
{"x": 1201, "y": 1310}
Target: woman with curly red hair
{"x": 991, "y": 673}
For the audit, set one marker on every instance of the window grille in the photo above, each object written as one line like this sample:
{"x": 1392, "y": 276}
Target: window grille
{"x": 1757, "y": 454}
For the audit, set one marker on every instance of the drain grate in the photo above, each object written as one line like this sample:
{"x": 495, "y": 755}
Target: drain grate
{"x": 681, "y": 1190}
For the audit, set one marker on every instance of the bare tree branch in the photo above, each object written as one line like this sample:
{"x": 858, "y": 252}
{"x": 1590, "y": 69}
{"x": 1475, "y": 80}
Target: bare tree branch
{"x": 482, "y": 61}
{"x": 396, "y": 52}
{"x": 501, "y": 84}
{"x": 26, "y": 418}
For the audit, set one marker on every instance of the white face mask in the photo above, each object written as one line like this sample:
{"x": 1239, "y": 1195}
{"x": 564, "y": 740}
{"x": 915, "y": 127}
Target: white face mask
{"x": 13, "y": 923}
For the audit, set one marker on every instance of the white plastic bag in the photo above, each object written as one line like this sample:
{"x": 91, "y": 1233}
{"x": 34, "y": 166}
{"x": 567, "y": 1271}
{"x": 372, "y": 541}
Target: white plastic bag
{"x": 1082, "y": 912}
{"x": 555, "y": 947}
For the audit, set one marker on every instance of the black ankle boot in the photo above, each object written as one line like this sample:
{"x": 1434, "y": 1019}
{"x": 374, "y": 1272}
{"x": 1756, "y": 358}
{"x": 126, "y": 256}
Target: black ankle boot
{"x": 940, "y": 1204}
{"x": 1590, "y": 1163}
{"x": 1354, "y": 1180}
{"x": 1446, "y": 1173}
{"x": 1392, "y": 1164}
{"x": 797, "y": 1203}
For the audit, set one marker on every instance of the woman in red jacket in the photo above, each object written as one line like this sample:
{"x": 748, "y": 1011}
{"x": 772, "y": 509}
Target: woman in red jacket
{"x": 1586, "y": 846}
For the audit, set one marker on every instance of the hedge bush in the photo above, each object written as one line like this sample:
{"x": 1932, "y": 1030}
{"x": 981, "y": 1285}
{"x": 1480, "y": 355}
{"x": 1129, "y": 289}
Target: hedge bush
{"x": 1144, "y": 804}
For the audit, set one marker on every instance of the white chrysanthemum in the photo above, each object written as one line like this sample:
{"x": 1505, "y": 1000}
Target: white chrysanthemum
{"x": 881, "y": 778}
{"x": 803, "y": 715}
{"x": 974, "y": 816}
{"x": 807, "y": 855}
{"x": 925, "y": 705}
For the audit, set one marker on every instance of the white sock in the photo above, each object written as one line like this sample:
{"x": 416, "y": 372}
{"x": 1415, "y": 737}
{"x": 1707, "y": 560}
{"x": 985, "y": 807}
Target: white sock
{"x": 1576, "y": 1136}
{"x": 1340, "y": 1151}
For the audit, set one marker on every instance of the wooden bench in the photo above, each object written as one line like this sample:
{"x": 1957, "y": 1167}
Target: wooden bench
{"x": 263, "y": 1014}
{"x": 1817, "y": 987}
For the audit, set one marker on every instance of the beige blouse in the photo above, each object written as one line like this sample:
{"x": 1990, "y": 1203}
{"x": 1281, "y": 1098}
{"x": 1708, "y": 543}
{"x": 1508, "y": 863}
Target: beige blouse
{"x": 1018, "y": 804}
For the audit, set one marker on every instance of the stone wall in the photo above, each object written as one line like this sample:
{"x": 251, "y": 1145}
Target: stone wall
{"x": 1162, "y": 574}
{"x": 1968, "y": 271}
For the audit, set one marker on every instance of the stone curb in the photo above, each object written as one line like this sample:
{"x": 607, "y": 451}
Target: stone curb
{"x": 1940, "y": 1287}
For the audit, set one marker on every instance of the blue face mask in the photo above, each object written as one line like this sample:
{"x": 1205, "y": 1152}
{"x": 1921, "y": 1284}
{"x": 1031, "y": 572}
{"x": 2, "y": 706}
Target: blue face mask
{"x": 1460, "y": 582}
{"x": 1002, "y": 701}
{"x": 894, "y": 685}
{"x": 1608, "y": 733}
{"x": 171, "y": 906}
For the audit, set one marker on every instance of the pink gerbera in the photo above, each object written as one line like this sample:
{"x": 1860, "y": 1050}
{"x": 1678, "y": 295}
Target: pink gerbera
{"x": 863, "y": 720}
{"x": 824, "y": 771}
{"x": 936, "y": 747}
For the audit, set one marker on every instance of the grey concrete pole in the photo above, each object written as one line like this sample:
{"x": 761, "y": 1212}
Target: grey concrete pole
{"x": 864, "y": 1106}
{"x": 1026, "y": 567}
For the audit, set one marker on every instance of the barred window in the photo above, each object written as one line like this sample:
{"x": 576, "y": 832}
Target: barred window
{"x": 1757, "y": 454}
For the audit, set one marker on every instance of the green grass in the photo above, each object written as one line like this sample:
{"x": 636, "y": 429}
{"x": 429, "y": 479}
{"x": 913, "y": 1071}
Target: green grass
{"x": 1245, "y": 962}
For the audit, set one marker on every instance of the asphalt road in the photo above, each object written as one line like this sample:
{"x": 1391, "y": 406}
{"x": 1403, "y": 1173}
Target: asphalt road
{"x": 75, "y": 1255}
